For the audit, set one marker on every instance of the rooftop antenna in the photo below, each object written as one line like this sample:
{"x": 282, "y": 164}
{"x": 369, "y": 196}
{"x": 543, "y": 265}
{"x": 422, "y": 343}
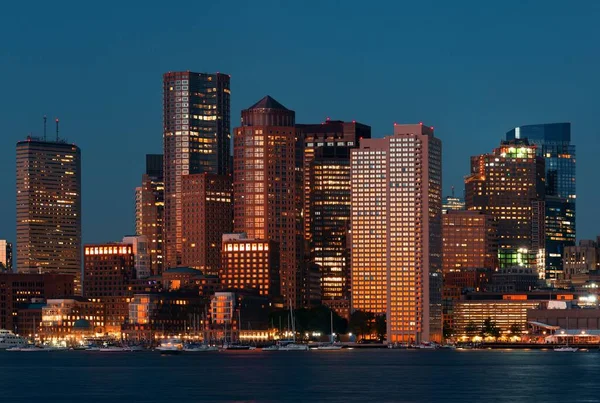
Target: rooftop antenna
{"x": 45, "y": 118}
{"x": 57, "y": 129}
{"x": 452, "y": 191}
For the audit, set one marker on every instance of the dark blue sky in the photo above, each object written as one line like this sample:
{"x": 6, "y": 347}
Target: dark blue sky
{"x": 471, "y": 69}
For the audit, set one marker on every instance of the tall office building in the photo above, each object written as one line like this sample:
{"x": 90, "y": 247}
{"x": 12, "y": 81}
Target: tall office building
{"x": 326, "y": 204}
{"x": 207, "y": 206}
{"x": 6, "y": 256}
{"x": 553, "y": 143}
{"x": 265, "y": 180}
{"x": 49, "y": 208}
{"x": 149, "y": 210}
{"x": 196, "y": 139}
{"x": 509, "y": 185}
{"x": 396, "y": 232}
{"x": 109, "y": 269}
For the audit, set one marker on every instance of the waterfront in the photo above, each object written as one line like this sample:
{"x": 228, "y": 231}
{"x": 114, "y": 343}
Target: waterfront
{"x": 344, "y": 376}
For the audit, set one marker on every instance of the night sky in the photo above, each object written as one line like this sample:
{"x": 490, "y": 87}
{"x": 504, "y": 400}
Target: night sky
{"x": 471, "y": 70}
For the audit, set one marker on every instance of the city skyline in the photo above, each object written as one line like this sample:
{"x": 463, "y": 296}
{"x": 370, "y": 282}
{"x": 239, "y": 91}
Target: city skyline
{"x": 471, "y": 109}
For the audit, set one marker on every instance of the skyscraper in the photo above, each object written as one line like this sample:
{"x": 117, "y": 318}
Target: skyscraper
{"x": 326, "y": 204}
{"x": 49, "y": 208}
{"x": 553, "y": 143}
{"x": 509, "y": 185}
{"x": 207, "y": 207}
{"x": 265, "y": 203}
{"x": 196, "y": 139}
{"x": 396, "y": 232}
{"x": 149, "y": 210}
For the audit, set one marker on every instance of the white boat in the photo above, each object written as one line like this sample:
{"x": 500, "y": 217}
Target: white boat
{"x": 113, "y": 349}
{"x": 292, "y": 346}
{"x": 170, "y": 346}
{"x": 331, "y": 345}
{"x": 199, "y": 348}
{"x": 566, "y": 349}
{"x": 134, "y": 348}
{"x": 274, "y": 347}
{"x": 9, "y": 340}
{"x": 426, "y": 346}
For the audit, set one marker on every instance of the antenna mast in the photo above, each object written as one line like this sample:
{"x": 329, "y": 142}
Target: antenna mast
{"x": 45, "y": 118}
{"x": 57, "y": 129}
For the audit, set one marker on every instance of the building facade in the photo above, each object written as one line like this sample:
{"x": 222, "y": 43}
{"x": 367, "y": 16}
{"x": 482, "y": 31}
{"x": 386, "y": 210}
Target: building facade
{"x": 396, "y": 232}
{"x": 49, "y": 208}
{"x": 250, "y": 264}
{"x": 149, "y": 210}
{"x": 326, "y": 202}
{"x": 19, "y": 289}
{"x": 196, "y": 139}
{"x": 108, "y": 271}
{"x": 265, "y": 187}
{"x": 470, "y": 240}
{"x": 581, "y": 259}
{"x": 6, "y": 256}
{"x": 141, "y": 252}
{"x": 553, "y": 143}
{"x": 207, "y": 214}
{"x": 508, "y": 184}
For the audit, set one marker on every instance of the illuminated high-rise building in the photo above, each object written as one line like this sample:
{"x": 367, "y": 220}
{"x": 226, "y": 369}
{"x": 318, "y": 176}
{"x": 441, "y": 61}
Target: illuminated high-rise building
{"x": 250, "y": 264}
{"x": 196, "y": 139}
{"x": 396, "y": 232}
{"x": 265, "y": 186}
{"x": 326, "y": 204}
{"x": 553, "y": 143}
{"x": 149, "y": 210}
{"x": 509, "y": 185}
{"x": 6, "y": 256}
{"x": 109, "y": 269}
{"x": 49, "y": 207}
{"x": 207, "y": 207}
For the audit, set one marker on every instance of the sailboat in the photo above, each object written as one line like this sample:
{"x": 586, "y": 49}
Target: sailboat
{"x": 238, "y": 345}
{"x": 289, "y": 345}
{"x": 331, "y": 345}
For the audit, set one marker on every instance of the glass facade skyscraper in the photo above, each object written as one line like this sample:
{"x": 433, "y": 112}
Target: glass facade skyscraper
{"x": 553, "y": 141}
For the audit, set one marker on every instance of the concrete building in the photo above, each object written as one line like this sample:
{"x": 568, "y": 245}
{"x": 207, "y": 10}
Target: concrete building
{"x": 266, "y": 205}
{"x": 141, "y": 253}
{"x": 149, "y": 210}
{"x": 49, "y": 207}
{"x": 196, "y": 139}
{"x": 397, "y": 232}
{"x": 207, "y": 213}
{"x": 581, "y": 259}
